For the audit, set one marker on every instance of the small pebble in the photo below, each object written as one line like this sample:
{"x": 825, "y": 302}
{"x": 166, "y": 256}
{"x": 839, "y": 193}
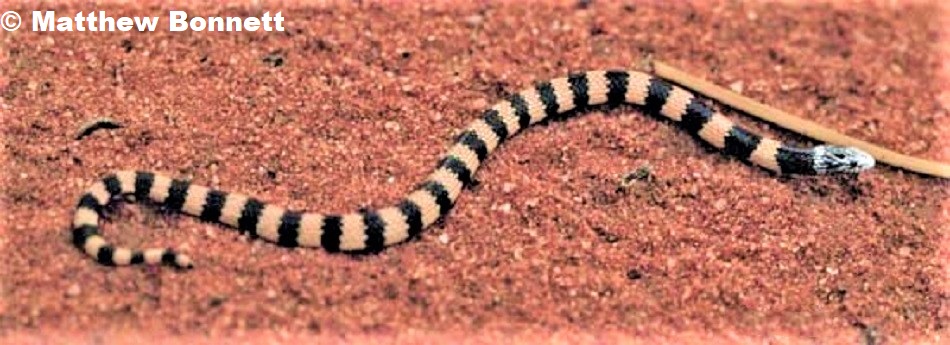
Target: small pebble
{"x": 532, "y": 203}
{"x": 737, "y": 86}
{"x": 474, "y": 20}
{"x": 478, "y": 103}
{"x": 634, "y": 274}
{"x": 720, "y": 204}
{"x": 73, "y": 290}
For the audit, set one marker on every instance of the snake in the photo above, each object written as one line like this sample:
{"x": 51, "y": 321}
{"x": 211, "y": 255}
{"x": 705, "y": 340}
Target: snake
{"x": 371, "y": 230}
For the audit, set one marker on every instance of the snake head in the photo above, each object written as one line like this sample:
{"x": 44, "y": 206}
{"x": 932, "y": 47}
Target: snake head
{"x": 840, "y": 159}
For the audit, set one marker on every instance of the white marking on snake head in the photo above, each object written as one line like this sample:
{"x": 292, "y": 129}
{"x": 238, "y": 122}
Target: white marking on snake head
{"x": 839, "y": 159}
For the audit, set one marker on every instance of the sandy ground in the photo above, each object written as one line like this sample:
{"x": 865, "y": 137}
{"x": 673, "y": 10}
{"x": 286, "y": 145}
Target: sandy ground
{"x": 352, "y": 106}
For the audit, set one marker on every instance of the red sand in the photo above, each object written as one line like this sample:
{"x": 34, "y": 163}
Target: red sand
{"x": 544, "y": 248}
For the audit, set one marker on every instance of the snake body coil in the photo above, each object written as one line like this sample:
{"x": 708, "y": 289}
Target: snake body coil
{"x": 372, "y": 230}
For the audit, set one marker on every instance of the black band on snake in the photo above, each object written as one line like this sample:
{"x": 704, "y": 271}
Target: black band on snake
{"x": 372, "y": 230}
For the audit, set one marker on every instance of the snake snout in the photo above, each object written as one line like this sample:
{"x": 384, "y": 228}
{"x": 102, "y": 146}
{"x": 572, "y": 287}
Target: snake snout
{"x": 841, "y": 159}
